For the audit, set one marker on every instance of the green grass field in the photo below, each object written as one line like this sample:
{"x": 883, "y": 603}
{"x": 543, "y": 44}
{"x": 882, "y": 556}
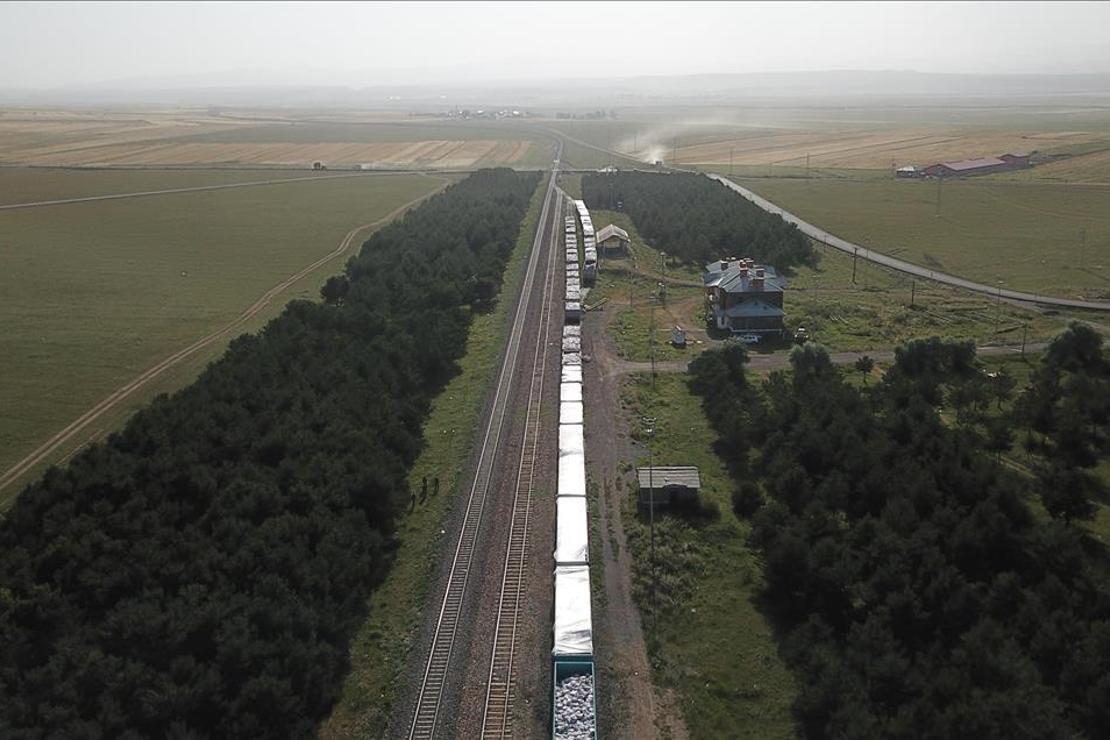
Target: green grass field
{"x": 381, "y": 647}
{"x": 95, "y": 293}
{"x": 710, "y": 642}
{"x": 25, "y": 185}
{"x": 874, "y": 312}
{"x": 1042, "y": 238}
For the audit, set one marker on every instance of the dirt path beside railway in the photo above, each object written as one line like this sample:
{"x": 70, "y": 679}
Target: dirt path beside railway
{"x": 628, "y": 703}
{"x": 125, "y": 391}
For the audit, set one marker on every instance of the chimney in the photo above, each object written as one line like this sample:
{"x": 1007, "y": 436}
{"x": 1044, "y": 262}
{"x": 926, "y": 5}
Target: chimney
{"x": 759, "y": 272}
{"x": 743, "y": 270}
{"x": 724, "y": 265}
{"x": 757, "y": 283}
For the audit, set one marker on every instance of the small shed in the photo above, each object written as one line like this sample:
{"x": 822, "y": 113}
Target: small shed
{"x": 672, "y": 484}
{"x": 613, "y": 240}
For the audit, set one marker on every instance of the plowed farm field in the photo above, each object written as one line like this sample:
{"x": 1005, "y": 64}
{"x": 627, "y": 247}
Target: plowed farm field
{"x": 161, "y": 139}
{"x": 872, "y": 149}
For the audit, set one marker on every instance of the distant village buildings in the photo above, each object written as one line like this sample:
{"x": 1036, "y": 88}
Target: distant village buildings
{"x": 744, "y": 297}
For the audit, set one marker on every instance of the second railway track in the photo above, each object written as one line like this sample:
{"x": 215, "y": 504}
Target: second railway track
{"x": 438, "y": 665}
{"x": 497, "y": 719}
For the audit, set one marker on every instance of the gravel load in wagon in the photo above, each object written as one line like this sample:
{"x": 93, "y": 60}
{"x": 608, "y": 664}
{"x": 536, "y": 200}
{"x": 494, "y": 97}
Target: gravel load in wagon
{"x": 573, "y": 713}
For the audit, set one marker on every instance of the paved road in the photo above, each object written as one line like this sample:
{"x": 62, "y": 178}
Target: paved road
{"x": 821, "y": 235}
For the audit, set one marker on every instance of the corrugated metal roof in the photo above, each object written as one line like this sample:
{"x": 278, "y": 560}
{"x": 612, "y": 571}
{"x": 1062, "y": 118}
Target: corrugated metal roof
{"x": 973, "y": 164}
{"x": 732, "y": 280}
{"x": 753, "y": 308}
{"x": 669, "y": 475}
{"x": 612, "y": 230}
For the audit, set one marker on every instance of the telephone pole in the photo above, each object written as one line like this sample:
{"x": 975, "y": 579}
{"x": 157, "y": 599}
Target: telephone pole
{"x": 913, "y": 291}
{"x": 998, "y": 308}
{"x": 855, "y": 258}
{"x": 649, "y": 429}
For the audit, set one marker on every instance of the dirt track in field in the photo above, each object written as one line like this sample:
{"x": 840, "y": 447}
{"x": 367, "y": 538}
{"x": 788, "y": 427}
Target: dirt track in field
{"x": 123, "y": 392}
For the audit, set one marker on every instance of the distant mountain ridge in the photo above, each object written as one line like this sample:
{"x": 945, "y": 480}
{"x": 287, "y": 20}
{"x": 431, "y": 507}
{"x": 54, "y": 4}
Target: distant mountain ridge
{"x": 245, "y": 88}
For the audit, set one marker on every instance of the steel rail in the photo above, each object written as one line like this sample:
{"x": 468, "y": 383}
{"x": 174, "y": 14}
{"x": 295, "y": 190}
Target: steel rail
{"x": 498, "y": 710}
{"x": 434, "y": 681}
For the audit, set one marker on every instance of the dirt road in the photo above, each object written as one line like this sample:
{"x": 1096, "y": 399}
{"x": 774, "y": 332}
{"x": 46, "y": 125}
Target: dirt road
{"x": 126, "y": 390}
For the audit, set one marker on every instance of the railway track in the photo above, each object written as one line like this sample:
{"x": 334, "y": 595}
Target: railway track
{"x": 434, "y": 683}
{"x": 497, "y": 716}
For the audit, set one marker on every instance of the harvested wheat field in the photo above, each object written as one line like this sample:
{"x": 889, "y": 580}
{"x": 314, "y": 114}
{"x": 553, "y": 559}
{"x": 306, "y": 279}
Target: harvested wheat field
{"x": 873, "y": 149}
{"x": 182, "y": 138}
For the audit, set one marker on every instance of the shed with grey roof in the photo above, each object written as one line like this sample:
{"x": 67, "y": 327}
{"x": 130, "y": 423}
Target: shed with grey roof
{"x": 672, "y": 484}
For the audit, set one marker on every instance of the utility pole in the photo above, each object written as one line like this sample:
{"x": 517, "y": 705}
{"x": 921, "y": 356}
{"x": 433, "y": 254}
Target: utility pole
{"x": 651, "y": 341}
{"x": 663, "y": 263}
{"x": 998, "y": 308}
{"x": 913, "y": 291}
{"x": 649, "y": 428}
{"x": 1024, "y": 332}
{"x": 855, "y": 258}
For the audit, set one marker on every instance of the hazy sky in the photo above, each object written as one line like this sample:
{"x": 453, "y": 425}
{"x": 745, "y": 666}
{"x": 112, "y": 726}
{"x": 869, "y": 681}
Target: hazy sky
{"x": 58, "y": 44}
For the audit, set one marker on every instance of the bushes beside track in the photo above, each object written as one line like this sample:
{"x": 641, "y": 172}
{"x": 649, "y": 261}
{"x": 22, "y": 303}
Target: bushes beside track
{"x": 915, "y": 592}
{"x": 201, "y": 572}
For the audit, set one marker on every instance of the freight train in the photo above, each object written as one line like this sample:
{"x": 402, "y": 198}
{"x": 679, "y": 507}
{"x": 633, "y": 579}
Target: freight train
{"x": 574, "y": 691}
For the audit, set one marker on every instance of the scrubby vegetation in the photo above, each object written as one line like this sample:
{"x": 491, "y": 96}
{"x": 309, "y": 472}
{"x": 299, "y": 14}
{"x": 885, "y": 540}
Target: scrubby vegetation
{"x": 697, "y": 220}
{"x": 916, "y": 592}
{"x": 201, "y": 572}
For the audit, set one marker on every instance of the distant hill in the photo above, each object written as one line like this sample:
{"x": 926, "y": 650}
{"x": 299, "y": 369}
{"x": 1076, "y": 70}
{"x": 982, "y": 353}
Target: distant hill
{"x": 822, "y": 87}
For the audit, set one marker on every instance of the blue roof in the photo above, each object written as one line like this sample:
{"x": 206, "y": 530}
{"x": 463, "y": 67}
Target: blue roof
{"x": 731, "y": 280}
{"x": 753, "y": 308}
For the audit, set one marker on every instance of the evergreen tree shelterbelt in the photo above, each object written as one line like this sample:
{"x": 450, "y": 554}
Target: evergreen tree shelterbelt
{"x": 201, "y": 572}
{"x": 695, "y": 219}
{"x": 917, "y": 594}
